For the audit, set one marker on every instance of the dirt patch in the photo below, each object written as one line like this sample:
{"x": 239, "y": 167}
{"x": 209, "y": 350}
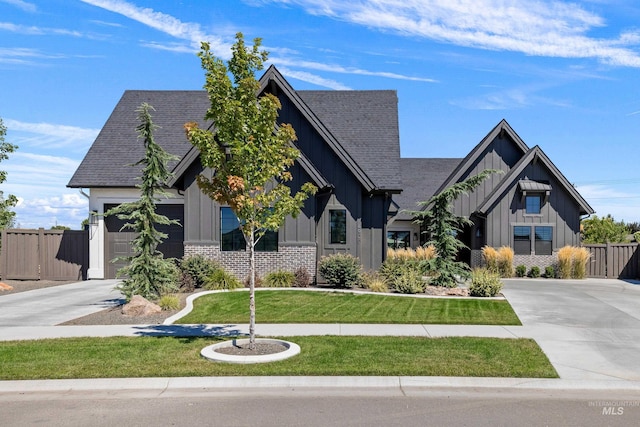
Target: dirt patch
{"x": 260, "y": 349}
{"x": 114, "y": 316}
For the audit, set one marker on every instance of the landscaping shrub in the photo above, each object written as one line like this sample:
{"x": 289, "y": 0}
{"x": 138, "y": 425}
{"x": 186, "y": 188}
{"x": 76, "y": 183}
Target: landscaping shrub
{"x": 257, "y": 283}
{"x": 391, "y": 269}
{"x": 199, "y": 268}
{"x": 521, "y": 270}
{"x": 499, "y": 261}
{"x": 579, "y": 265}
{"x": 279, "y": 279}
{"x": 484, "y": 283}
{"x": 409, "y": 282}
{"x": 505, "y": 261}
{"x": 374, "y": 282}
{"x": 550, "y": 272}
{"x": 572, "y": 262}
{"x": 303, "y": 278}
{"x": 341, "y": 270}
{"x": 169, "y": 302}
{"x": 565, "y": 256}
{"x": 221, "y": 279}
{"x": 490, "y": 256}
{"x": 534, "y": 272}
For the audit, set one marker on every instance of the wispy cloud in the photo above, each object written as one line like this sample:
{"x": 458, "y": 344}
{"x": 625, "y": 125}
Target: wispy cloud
{"x": 27, "y": 7}
{"x": 37, "y": 31}
{"x": 188, "y": 31}
{"x": 608, "y": 199}
{"x": 540, "y": 28}
{"x": 50, "y": 135}
{"x": 193, "y": 34}
{"x": 313, "y": 79}
{"x": 335, "y": 68}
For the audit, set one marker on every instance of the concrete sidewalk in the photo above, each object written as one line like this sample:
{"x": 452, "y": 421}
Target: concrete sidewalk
{"x": 589, "y": 329}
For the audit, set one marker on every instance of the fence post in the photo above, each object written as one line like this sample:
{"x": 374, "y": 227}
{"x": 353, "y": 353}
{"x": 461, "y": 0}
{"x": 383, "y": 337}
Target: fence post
{"x": 609, "y": 265}
{"x": 3, "y": 254}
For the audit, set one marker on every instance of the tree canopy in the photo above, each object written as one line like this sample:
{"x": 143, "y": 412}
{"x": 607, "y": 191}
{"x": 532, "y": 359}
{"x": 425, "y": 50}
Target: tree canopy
{"x": 7, "y": 216}
{"x": 442, "y": 227}
{"x": 249, "y": 152}
{"x": 148, "y": 274}
{"x": 604, "y": 230}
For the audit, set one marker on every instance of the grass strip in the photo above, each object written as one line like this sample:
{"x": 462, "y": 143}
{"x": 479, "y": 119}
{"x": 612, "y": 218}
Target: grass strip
{"x": 122, "y": 357}
{"x": 334, "y": 307}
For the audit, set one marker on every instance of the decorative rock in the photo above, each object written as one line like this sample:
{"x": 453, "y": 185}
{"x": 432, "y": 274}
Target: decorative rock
{"x": 140, "y": 306}
{"x": 5, "y": 287}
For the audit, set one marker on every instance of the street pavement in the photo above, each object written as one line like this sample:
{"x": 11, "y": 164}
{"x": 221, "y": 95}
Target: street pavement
{"x": 589, "y": 329}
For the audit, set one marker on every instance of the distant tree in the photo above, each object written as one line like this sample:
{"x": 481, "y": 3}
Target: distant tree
{"x": 7, "y": 216}
{"x": 442, "y": 227}
{"x": 148, "y": 273}
{"x": 250, "y": 154}
{"x": 60, "y": 227}
{"x": 604, "y": 230}
{"x": 634, "y": 227}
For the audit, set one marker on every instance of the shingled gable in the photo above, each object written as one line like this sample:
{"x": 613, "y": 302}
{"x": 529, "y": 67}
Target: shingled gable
{"x": 477, "y": 151}
{"x": 361, "y": 127}
{"x": 107, "y": 163}
{"x": 421, "y": 178}
{"x": 511, "y": 179}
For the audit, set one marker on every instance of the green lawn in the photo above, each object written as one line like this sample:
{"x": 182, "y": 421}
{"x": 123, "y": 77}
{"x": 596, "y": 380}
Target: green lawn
{"x": 333, "y": 307}
{"x": 120, "y": 357}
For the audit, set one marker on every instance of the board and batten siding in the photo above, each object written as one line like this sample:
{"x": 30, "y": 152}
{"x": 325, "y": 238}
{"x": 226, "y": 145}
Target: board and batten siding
{"x": 202, "y": 215}
{"x": 560, "y": 211}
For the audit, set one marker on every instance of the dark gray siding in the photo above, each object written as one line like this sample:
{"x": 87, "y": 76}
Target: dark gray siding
{"x": 501, "y": 154}
{"x": 365, "y": 230}
{"x": 202, "y": 215}
{"x": 561, "y": 211}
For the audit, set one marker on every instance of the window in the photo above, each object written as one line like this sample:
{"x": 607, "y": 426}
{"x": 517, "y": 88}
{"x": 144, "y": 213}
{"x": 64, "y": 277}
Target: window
{"x": 533, "y": 204}
{"x": 398, "y": 239}
{"x": 522, "y": 240}
{"x": 544, "y": 240}
{"x": 232, "y": 238}
{"x": 338, "y": 226}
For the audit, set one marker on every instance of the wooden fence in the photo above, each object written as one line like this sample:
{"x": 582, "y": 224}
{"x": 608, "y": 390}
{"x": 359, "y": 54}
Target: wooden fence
{"x": 614, "y": 261}
{"x": 44, "y": 254}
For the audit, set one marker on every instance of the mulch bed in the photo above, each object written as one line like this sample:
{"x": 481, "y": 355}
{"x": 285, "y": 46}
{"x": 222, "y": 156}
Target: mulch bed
{"x": 260, "y": 349}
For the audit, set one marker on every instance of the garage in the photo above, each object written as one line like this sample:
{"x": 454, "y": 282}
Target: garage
{"x": 118, "y": 243}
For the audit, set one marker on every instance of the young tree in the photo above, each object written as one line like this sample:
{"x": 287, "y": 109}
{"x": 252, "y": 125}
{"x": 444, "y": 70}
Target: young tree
{"x": 249, "y": 153}
{"x": 7, "y": 216}
{"x": 148, "y": 273}
{"x": 442, "y": 228}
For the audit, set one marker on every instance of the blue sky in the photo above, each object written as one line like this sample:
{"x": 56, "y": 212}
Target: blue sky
{"x": 563, "y": 74}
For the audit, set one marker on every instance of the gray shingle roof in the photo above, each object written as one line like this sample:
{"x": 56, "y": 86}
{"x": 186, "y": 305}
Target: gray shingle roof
{"x": 366, "y": 124}
{"x": 421, "y": 178}
{"x": 117, "y": 146}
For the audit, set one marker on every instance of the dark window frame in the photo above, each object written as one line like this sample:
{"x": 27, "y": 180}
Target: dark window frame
{"x": 543, "y": 235}
{"x": 533, "y": 204}
{"x": 338, "y": 226}
{"x": 519, "y": 239}
{"x": 234, "y": 240}
{"x": 393, "y": 239}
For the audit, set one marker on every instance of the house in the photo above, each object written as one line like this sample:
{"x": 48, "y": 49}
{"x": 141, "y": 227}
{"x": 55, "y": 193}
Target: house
{"x": 530, "y": 206}
{"x": 350, "y": 149}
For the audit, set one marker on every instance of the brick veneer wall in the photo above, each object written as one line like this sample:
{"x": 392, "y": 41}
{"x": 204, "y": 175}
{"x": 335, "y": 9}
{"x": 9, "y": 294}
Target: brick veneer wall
{"x": 541, "y": 261}
{"x": 287, "y": 258}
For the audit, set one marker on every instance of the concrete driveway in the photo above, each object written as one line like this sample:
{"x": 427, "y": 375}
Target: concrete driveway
{"x": 589, "y": 329}
{"x": 58, "y": 304}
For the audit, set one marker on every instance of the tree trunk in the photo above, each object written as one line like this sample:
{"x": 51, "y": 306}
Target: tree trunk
{"x": 252, "y": 291}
